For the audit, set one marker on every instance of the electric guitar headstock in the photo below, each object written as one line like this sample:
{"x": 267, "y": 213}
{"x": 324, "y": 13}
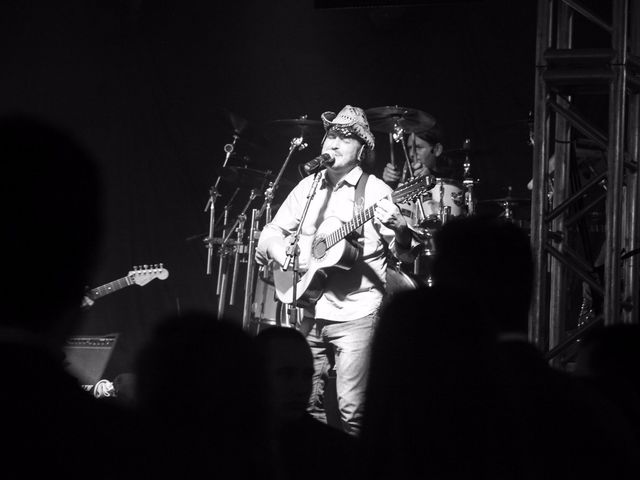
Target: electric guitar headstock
{"x": 143, "y": 274}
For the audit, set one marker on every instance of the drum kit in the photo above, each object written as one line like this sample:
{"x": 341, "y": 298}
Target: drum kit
{"x": 236, "y": 243}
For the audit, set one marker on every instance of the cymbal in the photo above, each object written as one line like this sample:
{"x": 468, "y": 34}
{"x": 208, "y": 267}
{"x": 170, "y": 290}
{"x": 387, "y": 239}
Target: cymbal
{"x": 509, "y": 200}
{"x": 233, "y": 125}
{"x": 250, "y": 177}
{"x": 386, "y": 119}
{"x": 295, "y": 127}
{"x": 245, "y": 176}
{"x": 237, "y": 122}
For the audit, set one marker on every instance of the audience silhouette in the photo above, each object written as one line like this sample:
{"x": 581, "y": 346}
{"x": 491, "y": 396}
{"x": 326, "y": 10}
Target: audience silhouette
{"x": 609, "y": 358}
{"x": 306, "y": 448}
{"x": 553, "y": 425}
{"x": 200, "y": 389}
{"x": 456, "y": 390}
{"x": 429, "y": 411}
{"x": 51, "y": 229}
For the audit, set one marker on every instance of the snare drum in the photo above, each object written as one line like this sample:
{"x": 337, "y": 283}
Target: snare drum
{"x": 444, "y": 200}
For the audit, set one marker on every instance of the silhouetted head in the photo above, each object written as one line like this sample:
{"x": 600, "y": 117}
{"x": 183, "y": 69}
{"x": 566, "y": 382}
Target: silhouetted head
{"x": 490, "y": 260}
{"x": 429, "y": 386}
{"x": 289, "y": 365}
{"x": 200, "y": 367}
{"x": 51, "y": 223}
{"x": 200, "y": 384}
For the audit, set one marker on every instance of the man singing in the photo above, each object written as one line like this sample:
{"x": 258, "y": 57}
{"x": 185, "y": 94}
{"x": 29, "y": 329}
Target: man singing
{"x": 339, "y": 326}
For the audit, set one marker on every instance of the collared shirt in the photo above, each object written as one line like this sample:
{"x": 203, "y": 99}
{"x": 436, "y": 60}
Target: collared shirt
{"x": 353, "y": 293}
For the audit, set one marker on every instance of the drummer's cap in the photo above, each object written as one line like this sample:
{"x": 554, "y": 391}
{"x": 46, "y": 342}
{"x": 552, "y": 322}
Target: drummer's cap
{"x": 349, "y": 122}
{"x": 433, "y": 134}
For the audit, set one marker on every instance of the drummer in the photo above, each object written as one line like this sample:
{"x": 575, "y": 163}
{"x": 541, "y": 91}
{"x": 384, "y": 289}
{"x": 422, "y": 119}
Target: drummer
{"x": 424, "y": 148}
{"x": 425, "y": 152}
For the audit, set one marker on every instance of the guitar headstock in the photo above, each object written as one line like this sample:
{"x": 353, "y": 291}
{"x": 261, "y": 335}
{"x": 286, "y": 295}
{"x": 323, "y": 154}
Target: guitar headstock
{"x": 143, "y": 274}
{"x": 409, "y": 191}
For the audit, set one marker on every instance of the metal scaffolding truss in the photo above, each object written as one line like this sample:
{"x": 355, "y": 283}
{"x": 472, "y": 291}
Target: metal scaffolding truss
{"x": 585, "y": 230}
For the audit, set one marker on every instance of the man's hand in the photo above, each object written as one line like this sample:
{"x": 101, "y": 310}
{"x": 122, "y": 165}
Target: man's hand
{"x": 389, "y": 215}
{"x": 278, "y": 253}
{"x": 86, "y": 302}
{"x": 391, "y": 173}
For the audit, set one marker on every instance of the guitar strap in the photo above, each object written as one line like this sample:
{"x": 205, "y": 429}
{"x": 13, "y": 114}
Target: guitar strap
{"x": 358, "y": 205}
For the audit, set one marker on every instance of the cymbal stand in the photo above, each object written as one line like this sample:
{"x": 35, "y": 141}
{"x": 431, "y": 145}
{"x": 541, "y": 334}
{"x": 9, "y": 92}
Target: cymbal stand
{"x": 236, "y": 258}
{"x": 223, "y": 268}
{"x": 223, "y": 218}
{"x": 392, "y": 157}
{"x": 293, "y": 251}
{"x": 468, "y": 181}
{"x": 237, "y": 227}
{"x": 296, "y": 143}
{"x": 211, "y": 203}
{"x": 222, "y": 251}
{"x": 507, "y": 206}
{"x": 254, "y": 232}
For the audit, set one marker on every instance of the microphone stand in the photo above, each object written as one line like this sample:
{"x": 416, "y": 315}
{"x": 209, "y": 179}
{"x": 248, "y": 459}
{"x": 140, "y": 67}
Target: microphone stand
{"x": 293, "y": 251}
{"x": 296, "y": 143}
{"x": 211, "y": 203}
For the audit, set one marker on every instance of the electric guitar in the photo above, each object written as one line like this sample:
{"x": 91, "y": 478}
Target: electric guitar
{"x": 328, "y": 247}
{"x": 138, "y": 276}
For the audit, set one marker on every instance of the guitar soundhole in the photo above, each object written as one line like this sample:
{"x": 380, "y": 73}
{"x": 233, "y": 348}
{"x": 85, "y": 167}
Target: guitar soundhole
{"x": 319, "y": 247}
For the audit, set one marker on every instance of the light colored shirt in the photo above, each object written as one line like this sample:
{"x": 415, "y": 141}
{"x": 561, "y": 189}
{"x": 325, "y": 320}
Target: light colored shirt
{"x": 353, "y": 293}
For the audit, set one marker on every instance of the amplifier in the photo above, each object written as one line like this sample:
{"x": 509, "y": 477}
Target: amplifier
{"x": 88, "y": 356}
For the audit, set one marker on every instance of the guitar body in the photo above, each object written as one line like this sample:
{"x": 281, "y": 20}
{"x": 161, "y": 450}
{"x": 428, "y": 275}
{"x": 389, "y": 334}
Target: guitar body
{"x": 310, "y": 284}
{"x": 329, "y": 247}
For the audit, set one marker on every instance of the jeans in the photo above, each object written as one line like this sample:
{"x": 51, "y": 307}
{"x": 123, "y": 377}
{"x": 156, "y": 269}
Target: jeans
{"x": 347, "y": 346}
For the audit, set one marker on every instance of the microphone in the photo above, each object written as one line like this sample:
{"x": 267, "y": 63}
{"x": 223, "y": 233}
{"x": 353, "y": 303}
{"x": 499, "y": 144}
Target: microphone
{"x": 318, "y": 163}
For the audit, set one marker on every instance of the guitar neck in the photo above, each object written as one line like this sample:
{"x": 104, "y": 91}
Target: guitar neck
{"x": 108, "y": 288}
{"x": 406, "y": 192}
{"x": 353, "y": 224}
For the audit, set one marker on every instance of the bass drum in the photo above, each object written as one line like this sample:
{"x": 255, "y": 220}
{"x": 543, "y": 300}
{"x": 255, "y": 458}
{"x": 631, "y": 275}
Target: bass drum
{"x": 398, "y": 281}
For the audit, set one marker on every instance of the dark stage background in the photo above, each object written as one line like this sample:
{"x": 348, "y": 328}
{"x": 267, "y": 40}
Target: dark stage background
{"x": 146, "y": 84}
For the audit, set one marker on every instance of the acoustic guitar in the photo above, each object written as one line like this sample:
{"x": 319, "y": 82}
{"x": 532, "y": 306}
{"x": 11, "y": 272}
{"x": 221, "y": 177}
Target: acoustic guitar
{"x": 330, "y": 248}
